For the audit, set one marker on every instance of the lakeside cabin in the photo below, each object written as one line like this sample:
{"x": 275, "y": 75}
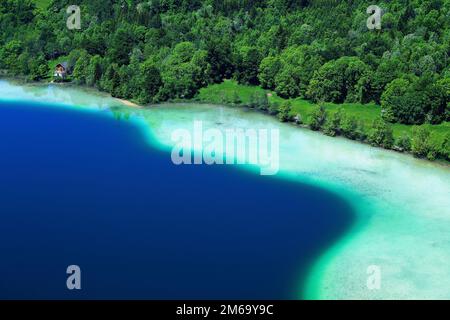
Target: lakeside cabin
{"x": 61, "y": 70}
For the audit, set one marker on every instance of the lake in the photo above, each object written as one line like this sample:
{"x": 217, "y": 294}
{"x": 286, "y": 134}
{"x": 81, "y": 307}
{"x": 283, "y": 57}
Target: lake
{"x": 88, "y": 181}
{"x": 83, "y": 188}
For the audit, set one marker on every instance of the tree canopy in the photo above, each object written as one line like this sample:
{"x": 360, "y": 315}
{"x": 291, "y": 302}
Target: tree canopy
{"x": 168, "y": 49}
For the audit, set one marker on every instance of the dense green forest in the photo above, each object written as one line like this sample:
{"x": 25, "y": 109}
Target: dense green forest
{"x": 318, "y": 51}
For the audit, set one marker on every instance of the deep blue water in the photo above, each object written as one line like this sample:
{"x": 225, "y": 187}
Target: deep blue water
{"x": 82, "y": 188}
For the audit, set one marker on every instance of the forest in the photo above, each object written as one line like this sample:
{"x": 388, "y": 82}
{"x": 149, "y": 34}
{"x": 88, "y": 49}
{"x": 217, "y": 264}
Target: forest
{"x": 318, "y": 51}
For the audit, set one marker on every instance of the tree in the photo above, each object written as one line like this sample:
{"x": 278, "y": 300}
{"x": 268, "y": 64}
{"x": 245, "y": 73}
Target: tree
{"x": 149, "y": 82}
{"x": 403, "y": 143}
{"x": 110, "y": 80}
{"x": 287, "y": 83}
{"x": 421, "y": 145}
{"x": 247, "y": 64}
{"x": 80, "y": 71}
{"x": 298, "y": 66}
{"x": 444, "y": 150}
{"x": 38, "y": 68}
{"x": 351, "y": 128}
{"x": 393, "y": 99}
{"x": 268, "y": 70}
{"x": 389, "y": 69}
{"x": 9, "y": 55}
{"x": 413, "y": 100}
{"x": 262, "y": 101}
{"x": 284, "y": 114}
{"x": 202, "y": 69}
{"x": 336, "y": 81}
{"x": 444, "y": 84}
{"x": 253, "y": 101}
{"x": 332, "y": 126}
{"x": 318, "y": 118}
{"x": 94, "y": 71}
{"x": 220, "y": 58}
{"x": 160, "y": 50}
{"x": 381, "y": 134}
{"x": 121, "y": 45}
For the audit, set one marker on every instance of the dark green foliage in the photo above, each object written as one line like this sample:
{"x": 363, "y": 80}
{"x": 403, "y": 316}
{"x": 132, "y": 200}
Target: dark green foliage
{"x": 121, "y": 45}
{"x": 247, "y": 63}
{"x": 350, "y": 128}
{"x": 421, "y": 145}
{"x": 94, "y": 71}
{"x": 149, "y": 82}
{"x": 80, "y": 70}
{"x": 381, "y": 134}
{"x": 268, "y": 70}
{"x": 403, "y": 143}
{"x": 333, "y": 123}
{"x": 413, "y": 100}
{"x": 318, "y": 118}
{"x": 9, "y": 55}
{"x": 284, "y": 111}
{"x": 38, "y": 69}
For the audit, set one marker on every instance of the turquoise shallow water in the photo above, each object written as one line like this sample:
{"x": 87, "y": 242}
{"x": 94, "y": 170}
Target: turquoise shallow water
{"x": 401, "y": 204}
{"x": 402, "y": 208}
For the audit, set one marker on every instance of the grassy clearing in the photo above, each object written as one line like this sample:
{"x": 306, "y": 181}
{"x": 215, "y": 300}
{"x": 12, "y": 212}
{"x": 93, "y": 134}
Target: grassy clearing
{"x": 366, "y": 113}
{"x": 42, "y": 4}
{"x": 224, "y": 92}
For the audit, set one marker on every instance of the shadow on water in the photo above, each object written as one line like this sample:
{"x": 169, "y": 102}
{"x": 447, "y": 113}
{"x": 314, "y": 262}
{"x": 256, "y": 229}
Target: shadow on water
{"x": 80, "y": 188}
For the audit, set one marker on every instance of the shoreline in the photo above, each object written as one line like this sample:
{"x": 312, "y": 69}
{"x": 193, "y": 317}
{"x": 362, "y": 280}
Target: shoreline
{"x": 131, "y": 104}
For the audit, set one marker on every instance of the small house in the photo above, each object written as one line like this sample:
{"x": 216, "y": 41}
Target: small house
{"x": 61, "y": 70}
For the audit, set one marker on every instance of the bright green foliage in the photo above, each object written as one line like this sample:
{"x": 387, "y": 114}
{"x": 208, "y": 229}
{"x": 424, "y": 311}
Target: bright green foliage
{"x": 298, "y": 64}
{"x": 236, "y": 99}
{"x": 337, "y": 81}
{"x": 268, "y": 70}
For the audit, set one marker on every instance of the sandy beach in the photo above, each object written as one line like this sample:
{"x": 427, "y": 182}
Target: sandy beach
{"x": 129, "y": 103}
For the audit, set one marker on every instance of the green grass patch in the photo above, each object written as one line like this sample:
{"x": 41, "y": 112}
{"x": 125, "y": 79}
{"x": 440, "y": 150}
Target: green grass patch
{"x": 42, "y": 4}
{"x": 224, "y": 92}
{"x": 366, "y": 113}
